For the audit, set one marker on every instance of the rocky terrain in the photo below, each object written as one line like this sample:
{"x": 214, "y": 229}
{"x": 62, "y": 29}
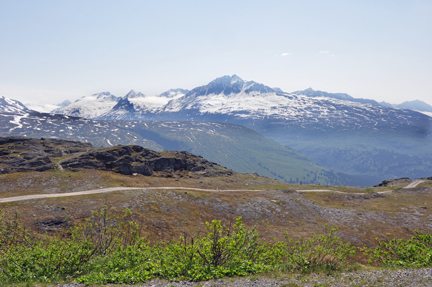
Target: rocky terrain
{"x": 18, "y": 154}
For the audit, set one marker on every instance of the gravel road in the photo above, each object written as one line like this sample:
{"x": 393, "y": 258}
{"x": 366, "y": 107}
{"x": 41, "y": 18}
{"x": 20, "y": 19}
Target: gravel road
{"x": 414, "y": 183}
{"x": 111, "y": 189}
{"x": 108, "y": 189}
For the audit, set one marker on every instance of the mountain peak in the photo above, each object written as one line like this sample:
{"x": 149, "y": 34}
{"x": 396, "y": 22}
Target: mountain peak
{"x": 64, "y": 103}
{"x": 172, "y": 93}
{"x": 231, "y": 85}
{"x": 235, "y": 78}
{"x": 132, "y": 94}
{"x": 416, "y": 105}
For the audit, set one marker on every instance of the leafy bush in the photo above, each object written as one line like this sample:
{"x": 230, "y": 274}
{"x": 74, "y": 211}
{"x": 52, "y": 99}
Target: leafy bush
{"x": 415, "y": 252}
{"x": 320, "y": 252}
{"x": 44, "y": 259}
{"x": 109, "y": 249}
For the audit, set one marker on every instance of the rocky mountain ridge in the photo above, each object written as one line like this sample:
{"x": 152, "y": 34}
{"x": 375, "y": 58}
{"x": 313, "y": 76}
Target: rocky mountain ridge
{"x": 18, "y": 154}
{"x": 231, "y": 99}
{"x": 97, "y": 105}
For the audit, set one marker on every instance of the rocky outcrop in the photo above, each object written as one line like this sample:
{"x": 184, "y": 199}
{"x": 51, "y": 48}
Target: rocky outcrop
{"x": 393, "y": 182}
{"x": 136, "y": 159}
{"x": 28, "y": 154}
{"x": 18, "y": 154}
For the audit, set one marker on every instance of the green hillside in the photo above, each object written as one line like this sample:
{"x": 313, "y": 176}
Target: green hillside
{"x": 235, "y": 147}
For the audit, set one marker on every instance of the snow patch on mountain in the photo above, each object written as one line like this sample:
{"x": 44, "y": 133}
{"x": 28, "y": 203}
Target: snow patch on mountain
{"x": 426, "y": 113}
{"x": 153, "y": 103}
{"x": 42, "y": 108}
{"x": 17, "y": 121}
{"x": 12, "y": 106}
{"x": 89, "y": 106}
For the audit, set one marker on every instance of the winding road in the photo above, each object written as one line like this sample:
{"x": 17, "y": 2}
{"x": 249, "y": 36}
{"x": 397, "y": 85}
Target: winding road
{"x": 110, "y": 189}
{"x": 413, "y": 184}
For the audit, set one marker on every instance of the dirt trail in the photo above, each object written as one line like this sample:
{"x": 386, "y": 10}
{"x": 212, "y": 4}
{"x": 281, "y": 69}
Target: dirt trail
{"x": 111, "y": 189}
{"x": 414, "y": 183}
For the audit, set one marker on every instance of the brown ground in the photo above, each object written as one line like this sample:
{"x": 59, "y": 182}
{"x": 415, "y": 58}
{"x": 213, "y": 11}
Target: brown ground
{"x": 167, "y": 214}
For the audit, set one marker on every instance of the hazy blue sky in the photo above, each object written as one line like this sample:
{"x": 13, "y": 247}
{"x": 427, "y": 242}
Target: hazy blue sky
{"x": 56, "y": 50}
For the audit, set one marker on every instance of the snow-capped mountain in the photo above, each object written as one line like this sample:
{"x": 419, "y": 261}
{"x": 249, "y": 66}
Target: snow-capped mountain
{"x": 340, "y": 96}
{"x": 12, "y": 106}
{"x": 89, "y": 106}
{"x": 64, "y": 103}
{"x": 133, "y": 105}
{"x": 342, "y": 134}
{"x": 232, "y": 99}
{"x": 415, "y": 105}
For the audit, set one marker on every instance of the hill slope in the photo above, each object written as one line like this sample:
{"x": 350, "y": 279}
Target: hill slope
{"x": 236, "y": 147}
{"x": 233, "y": 146}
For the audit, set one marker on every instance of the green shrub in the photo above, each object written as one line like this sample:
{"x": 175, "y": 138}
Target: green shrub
{"x": 47, "y": 259}
{"x": 415, "y": 252}
{"x": 108, "y": 249}
{"x": 320, "y": 252}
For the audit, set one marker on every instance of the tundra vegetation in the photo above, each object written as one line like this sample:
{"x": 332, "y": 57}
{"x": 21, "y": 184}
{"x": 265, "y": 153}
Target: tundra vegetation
{"x": 108, "y": 248}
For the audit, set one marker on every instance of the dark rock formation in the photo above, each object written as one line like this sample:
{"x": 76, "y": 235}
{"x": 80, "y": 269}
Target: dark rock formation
{"x": 136, "y": 159}
{"x": 19, "y": 154}
{"x": 392, "y": 181}
{"x": 26, "y": 154}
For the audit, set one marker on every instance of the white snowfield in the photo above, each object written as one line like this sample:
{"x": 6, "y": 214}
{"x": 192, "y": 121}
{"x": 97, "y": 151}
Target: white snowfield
{"x": 42, "y": 108}
{"x": 429, "y": 114}
{"x": 152, "y": 103}
{"x": 263, "y": 104}
{"x": 89, "y": 106}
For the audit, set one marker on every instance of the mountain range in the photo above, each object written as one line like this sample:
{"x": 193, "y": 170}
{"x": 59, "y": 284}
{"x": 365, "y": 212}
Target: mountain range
{"x": 230, "y": 145}
{"x": 358, "y": 137}
{"x": 415, "y": 105}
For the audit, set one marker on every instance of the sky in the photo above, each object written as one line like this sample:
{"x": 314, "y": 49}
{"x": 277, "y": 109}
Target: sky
{"x": 53, "y": 50}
